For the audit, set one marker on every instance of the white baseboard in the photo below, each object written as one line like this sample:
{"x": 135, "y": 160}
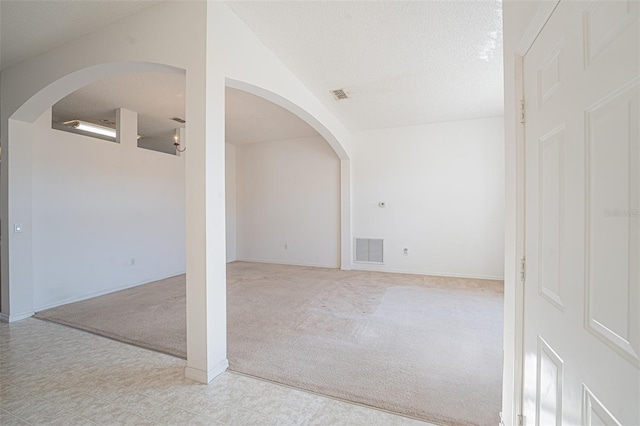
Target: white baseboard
{"x": 206, "y": 376}
{"x": 102, "y": 293}
{"x": 15, "y": 317}
{"x": 373, "y": 268}
{"x": 281, "y": 262}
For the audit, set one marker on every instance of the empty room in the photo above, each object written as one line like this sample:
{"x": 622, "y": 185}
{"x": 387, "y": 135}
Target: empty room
{"x": 319, "y": 213}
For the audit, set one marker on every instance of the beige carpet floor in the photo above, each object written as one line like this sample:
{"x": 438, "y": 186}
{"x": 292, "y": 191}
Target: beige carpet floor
{"x": 426, "y": 347}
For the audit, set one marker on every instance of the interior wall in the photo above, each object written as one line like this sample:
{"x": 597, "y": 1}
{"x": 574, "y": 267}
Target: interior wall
{"x": 106, "y": 216}
{"x": 140, "y": 43}
{"x": 443, "y": 189}
{"x": 221, "y": 47}
{"x": 239, "y": 57}
{"x": 288, "y": 202}
{"x": 230, "y": 193}
{"x": 247, "y": 64}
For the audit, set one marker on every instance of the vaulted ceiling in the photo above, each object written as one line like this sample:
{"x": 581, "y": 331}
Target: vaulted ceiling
{"x": 401, "y": 63}
{"x": 31, "y": 27}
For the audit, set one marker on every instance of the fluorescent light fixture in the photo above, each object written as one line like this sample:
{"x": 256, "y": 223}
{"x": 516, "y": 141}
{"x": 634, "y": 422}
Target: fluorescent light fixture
{"x": 91, "y": 128}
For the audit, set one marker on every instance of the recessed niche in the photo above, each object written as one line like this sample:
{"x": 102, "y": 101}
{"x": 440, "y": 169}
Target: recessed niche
{"x": 157, "y": 99}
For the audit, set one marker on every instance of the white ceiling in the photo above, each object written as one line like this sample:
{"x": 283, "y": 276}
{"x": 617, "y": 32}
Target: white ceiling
{"x": 31, "y": 27}
{"x": 403, "y": 63}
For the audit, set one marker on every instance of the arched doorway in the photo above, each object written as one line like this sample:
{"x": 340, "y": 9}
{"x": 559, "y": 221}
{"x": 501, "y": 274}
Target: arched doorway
{"x": 17, "y": 291}
{"x": 345, "y": 165}
{"x": 17, "y": 279}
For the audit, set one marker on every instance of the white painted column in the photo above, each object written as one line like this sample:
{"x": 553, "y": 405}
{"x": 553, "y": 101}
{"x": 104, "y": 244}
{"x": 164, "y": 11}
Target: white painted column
{"x": 346, "y": 239}
{"x": 205, "y": 212}
{"x": 17, "y": 232}
{"x": 127, "y": 128}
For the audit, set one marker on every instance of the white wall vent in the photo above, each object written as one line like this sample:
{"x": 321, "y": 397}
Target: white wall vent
{"x": 369, "y": 250}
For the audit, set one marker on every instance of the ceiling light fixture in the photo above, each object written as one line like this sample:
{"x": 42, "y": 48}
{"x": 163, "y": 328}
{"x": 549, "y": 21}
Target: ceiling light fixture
{"x": 91, "y": 128}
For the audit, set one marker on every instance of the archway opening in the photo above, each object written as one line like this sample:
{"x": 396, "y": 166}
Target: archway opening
{"x": 18, "y": 269}
{"x": 108, "y": 210}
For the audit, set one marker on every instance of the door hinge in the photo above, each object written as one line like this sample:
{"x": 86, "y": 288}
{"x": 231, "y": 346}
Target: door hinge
{"x": 520, "y": 420}
{"x": 523, "y": 269}
{"x": 522, "y": 112}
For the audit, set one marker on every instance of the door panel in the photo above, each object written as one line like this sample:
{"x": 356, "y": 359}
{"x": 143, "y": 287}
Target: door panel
{"x": 551, "y": 214}
{"x": 613, "y": 234}
{"x": 594, "y": 412}
{"x": 582, "y": 208}
{"x": 549, "y": 385}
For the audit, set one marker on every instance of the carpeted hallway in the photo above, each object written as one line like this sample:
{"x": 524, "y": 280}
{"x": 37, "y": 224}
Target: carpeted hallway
{"x": 426, "y": 347}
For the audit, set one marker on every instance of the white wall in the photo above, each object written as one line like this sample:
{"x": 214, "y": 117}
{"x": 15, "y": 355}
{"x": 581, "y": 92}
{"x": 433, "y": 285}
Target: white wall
{"x": 221, "y": 48}
{"x": 238, "y": 56}
{"x": 96, "y": 206}
{"x": 443, "y": 185}
{"x": 147, "y": 41}
{"x": 288, "y": 193}
{"x": 230, "y": 191}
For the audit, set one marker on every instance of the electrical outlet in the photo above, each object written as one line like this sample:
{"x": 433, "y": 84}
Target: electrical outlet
{"x": 406, "y": 252}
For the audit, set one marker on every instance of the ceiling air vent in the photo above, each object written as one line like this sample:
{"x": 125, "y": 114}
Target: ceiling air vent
{"x": 339, "y": 94}
{"x": 178, "y": 119}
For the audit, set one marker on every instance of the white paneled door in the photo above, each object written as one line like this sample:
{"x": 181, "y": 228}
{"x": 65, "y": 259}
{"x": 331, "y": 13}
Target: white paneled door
{"x": 582, "y": 224}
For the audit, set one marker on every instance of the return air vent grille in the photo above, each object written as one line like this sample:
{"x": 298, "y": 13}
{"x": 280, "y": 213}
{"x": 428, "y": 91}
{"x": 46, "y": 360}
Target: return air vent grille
{"x": 339, "y": 94}
{"x": 369, "y": 250}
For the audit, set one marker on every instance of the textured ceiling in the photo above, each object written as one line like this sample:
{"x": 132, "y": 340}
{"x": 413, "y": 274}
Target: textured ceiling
{"x": 402, "y": 63}
{"x": 31, "y": 27}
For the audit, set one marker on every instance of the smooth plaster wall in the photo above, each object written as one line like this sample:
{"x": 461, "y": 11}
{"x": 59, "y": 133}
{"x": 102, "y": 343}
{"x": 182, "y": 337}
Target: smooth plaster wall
{"x": 96, "y": 206}
{"x": 288, "y": 193}
{"x": 221, "y": 49}
{"x": 245, "y": 63}
{"x": 230, "y": 183}
{"x": 139, "y": 43}
{"x": 443, "y": 187}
